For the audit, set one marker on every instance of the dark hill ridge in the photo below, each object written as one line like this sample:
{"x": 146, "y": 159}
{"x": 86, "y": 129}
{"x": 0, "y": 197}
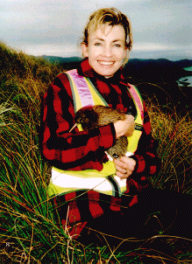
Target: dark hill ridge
{"x": 181, "y": 63}
{"x": 157, "y": 71}
{"x": 55, "y": 59}
{"x": 67, "y": 63}
{"x": 145, "y": 70}
{"x": 184, "y": 63}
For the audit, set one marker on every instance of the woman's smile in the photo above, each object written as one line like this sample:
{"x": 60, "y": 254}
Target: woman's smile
{"x": 106, "y": 63}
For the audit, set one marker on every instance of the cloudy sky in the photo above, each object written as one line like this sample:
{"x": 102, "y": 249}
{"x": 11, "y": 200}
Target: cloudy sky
{"x": 161, "y": 28}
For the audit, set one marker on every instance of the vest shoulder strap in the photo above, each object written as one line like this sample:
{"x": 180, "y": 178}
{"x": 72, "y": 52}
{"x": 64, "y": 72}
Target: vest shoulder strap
{"x": 137, "y": 98}
{"x": 84, "y": 92}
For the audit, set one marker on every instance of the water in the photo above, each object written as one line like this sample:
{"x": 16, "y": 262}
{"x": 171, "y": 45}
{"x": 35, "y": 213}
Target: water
{"x": 187, "y": 80}
{"x": 188, "y": 68}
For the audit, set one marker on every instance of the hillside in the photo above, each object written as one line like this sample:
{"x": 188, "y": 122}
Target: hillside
{"x": 21, "y": 65}
{"x": 31, "y": 230}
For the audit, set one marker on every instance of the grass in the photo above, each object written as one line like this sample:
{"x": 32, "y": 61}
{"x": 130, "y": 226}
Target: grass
{"x": 174, "y": 134}
{"x": 30, "y": 231}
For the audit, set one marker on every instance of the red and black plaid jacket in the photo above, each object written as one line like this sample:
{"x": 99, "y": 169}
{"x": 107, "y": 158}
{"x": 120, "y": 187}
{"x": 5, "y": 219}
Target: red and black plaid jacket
{"x": 85, "y": 150}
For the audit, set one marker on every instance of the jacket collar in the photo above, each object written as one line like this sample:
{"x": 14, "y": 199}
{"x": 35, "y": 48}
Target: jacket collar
{"x": 86, "y": 70}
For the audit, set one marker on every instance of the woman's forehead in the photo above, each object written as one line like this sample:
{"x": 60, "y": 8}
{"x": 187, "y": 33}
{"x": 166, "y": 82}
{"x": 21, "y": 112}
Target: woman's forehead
{"x": 107, "y": 30}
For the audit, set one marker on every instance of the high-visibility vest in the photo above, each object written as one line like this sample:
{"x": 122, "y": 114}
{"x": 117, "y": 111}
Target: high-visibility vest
{"x": 104, "y": 181}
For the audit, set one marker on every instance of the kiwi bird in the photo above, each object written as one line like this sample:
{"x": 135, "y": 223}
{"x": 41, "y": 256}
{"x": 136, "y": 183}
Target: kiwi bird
{"x": 99, "y": 115}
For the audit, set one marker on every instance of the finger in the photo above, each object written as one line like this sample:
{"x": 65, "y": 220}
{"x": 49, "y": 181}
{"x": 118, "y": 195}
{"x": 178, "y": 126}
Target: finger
{"x": 130, "y": 163}
{"x": 121, "y": 170}
{"x": 123, "y": 175}
{"x": 120, "y": 164}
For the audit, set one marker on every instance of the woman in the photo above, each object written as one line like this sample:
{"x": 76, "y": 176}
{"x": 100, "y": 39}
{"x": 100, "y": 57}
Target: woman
{"x": 91, "y": 190}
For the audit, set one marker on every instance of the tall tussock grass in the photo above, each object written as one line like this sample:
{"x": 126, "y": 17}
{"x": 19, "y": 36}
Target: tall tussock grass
{"x": 30, "y": 230}
{"x": 174, "y": 134}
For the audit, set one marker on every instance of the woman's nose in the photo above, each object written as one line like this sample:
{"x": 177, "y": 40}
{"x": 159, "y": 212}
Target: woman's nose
{"x": 108, "y": 51}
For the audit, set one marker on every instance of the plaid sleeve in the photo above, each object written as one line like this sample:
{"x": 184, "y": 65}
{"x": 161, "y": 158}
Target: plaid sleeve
{"x": 147, "y": 160}
{"x": 70, "y": 150}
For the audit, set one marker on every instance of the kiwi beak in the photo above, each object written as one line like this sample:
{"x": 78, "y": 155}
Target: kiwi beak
{"x": 73, "y": 127}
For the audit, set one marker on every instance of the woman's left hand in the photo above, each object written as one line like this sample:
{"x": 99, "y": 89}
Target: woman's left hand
{"x": 124, "y": 166}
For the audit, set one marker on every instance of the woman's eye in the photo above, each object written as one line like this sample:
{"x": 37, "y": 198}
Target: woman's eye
{"x": 97, "y": 44}
{"x": 117, "y": 45}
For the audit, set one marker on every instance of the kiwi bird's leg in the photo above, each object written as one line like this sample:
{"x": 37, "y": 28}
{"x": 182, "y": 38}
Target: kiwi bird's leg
{"x": 73, "y": 127}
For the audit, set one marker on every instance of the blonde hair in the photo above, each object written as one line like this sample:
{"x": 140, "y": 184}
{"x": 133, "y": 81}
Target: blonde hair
{"x": 112, "y": 17}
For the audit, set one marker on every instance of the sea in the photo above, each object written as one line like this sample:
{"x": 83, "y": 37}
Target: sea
{"x": 187, "y": 80}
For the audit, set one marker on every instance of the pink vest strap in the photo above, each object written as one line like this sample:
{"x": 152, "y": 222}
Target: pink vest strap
{"x": 137, "y": 99}
{"x": 84, "y": 93}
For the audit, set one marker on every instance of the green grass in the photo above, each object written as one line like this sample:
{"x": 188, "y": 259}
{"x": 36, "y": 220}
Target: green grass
{"x": 30, "y": 230}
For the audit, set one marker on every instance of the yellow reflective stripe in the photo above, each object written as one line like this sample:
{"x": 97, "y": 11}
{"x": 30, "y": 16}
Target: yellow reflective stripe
{"x": 136, "y": 96}
{"x": 97, "y": 97}
{"x": 134, "y": 139}
{"x": 91, "y": 173}
{"x": 65, "y": 181}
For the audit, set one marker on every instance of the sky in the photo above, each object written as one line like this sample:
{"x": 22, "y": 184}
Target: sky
{"x": 161, "y": 28}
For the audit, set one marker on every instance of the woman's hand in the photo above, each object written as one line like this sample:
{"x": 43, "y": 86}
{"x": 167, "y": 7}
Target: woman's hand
{"x": 124, "y": 166}
{"x": 125, "y": 127}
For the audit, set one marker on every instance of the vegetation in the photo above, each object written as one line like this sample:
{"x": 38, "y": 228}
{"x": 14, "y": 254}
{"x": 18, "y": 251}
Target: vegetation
{"x": 29, "y": 229}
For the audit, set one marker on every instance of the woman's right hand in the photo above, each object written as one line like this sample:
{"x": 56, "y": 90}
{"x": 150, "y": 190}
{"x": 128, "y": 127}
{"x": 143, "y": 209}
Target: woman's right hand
{"x": 125, "y": 127}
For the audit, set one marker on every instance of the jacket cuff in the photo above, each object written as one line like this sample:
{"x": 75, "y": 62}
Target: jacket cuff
{"x": 136, "y": 166}
{"x": 140, "y": 163}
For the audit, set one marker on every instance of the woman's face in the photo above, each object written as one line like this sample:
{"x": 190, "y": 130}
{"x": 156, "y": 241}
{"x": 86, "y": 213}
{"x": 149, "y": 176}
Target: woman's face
{"x": 106, "y": 49}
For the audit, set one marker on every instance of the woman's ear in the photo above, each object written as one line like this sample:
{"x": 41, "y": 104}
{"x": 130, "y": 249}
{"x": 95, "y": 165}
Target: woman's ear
{"x": 84, "y": 49}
